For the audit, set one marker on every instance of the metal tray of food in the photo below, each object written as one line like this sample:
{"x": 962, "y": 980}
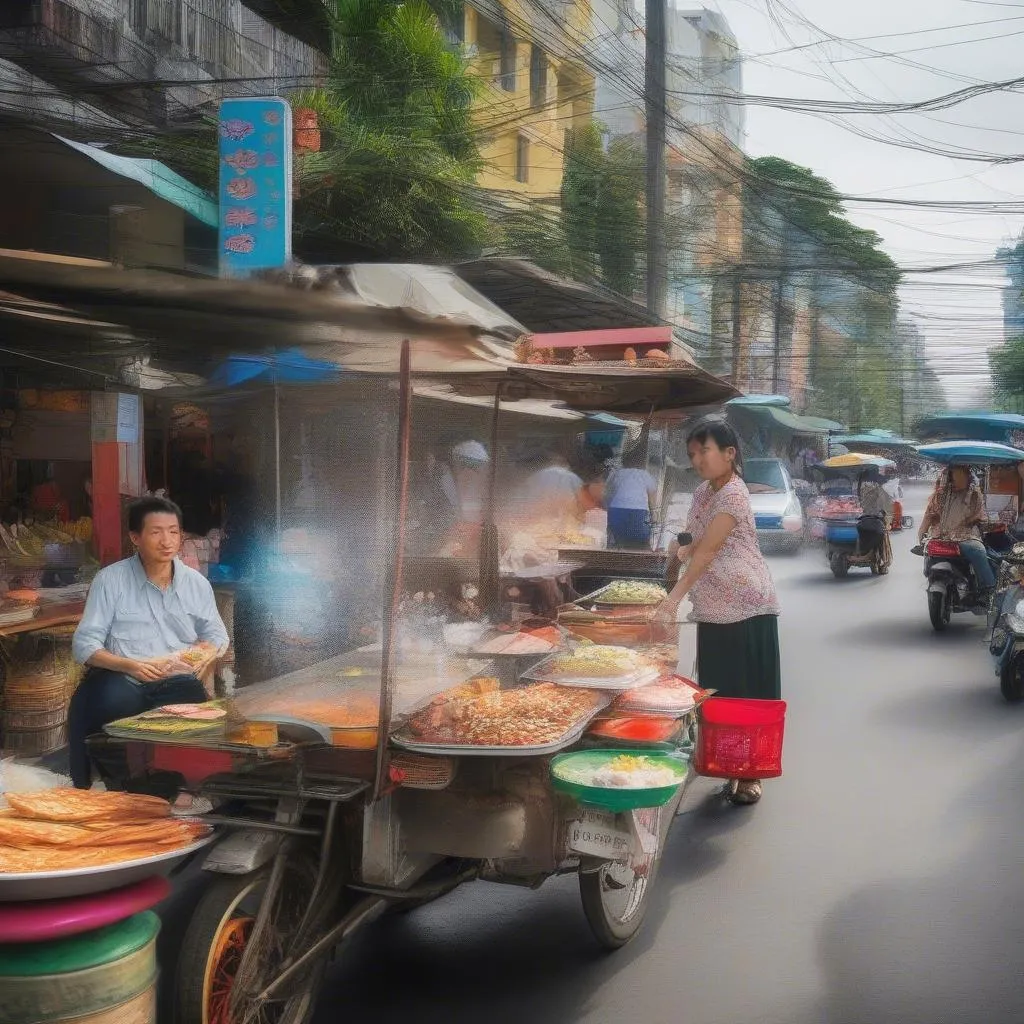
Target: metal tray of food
{"x": 638, "y": 676}
{"x": 641, "y": 587}
{"x": 52, "y": 885}
{"x": 457, "y": 750}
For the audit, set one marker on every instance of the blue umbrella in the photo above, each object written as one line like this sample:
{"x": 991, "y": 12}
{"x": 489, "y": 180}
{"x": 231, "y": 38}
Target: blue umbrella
{"x": 290, "y": 366}
{"x": 970, "y": 453}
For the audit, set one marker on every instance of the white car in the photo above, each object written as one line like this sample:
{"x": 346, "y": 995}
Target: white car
{"x": 777, "y": 512}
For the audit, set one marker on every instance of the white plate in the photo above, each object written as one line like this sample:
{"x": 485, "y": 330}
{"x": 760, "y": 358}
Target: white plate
{"x": 52, "y": 885}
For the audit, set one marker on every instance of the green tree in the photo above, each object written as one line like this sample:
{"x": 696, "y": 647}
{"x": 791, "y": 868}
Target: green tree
{"x": 1006, "y": 365}
{"x": 812, "y": 205}
{"x": 796, "y": 229}
{"x": 395, "y": 174}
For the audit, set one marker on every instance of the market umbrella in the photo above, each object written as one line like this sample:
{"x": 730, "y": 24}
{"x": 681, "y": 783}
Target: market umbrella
{"x": 970, "y": 453}
{"x": 858, "y": 460}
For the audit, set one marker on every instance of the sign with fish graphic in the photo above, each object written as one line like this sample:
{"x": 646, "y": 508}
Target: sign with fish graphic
{"x": 255, "y": 148}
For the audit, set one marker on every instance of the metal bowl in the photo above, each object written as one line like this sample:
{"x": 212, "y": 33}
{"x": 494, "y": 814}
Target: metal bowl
{"x": 54, "y": 885}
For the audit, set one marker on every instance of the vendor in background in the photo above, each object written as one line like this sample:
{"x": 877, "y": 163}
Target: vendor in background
{"x": 140, "y": 611}
{"x": 729, "y": 583}
{"x": 630, "y": 496}
{"x": 552, "y": 488}
{"x": 48, "y": 502}
{"x": 464, "y": 481}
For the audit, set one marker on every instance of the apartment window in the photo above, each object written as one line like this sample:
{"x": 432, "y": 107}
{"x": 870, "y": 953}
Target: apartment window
{"x": 522, "y": 158}
{"x": 538, "y": 77}
{"x": 508, "y": 60}
{"x": 452, "y": 17}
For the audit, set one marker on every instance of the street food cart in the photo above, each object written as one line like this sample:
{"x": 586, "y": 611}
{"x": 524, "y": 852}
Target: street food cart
{"x": 438, "y": 740}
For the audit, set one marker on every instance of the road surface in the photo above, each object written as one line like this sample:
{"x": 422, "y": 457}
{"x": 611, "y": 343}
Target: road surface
{"x": 880, "y": 880}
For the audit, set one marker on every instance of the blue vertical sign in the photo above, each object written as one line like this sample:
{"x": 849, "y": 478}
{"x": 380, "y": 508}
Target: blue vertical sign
{"x": 255, "y": 198}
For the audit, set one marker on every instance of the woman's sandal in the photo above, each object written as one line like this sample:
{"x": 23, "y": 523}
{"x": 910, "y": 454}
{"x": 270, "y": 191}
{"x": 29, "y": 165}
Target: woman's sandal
{"x": 747, "y": 791}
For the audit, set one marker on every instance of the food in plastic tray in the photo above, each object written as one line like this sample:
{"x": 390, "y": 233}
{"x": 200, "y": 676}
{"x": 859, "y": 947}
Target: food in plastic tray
{"x": 668, "y": 695}
{"x": 67, "y": 829}
{"x": 522, "y": 643}
{"x": 642, "y": 729}
{"x": 626, "y": 771}
{"x": 638, "y": 592}
{"x": 533, "y": 715}
{"x": 595, "y": 661}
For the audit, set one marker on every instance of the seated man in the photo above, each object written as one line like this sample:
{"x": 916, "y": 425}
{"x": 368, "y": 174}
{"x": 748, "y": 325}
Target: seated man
{"x": 140, "y": 612}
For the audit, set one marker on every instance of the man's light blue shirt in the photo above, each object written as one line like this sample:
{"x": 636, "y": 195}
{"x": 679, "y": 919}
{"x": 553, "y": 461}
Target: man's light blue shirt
{"x": 128, "y": 616}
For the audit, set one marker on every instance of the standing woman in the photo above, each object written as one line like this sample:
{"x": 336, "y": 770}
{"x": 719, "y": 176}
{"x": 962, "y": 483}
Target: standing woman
{"x": 727, "y": 578}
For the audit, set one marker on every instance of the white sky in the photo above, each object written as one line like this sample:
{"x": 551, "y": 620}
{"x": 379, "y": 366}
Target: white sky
{"x": 959, "y": 311}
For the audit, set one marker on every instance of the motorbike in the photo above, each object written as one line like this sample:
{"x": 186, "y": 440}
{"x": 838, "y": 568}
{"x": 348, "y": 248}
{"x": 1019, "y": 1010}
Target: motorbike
{"x": 952, "y": 584}
{"x": 857, "y": 542}
{"x": 1006, "y": 643}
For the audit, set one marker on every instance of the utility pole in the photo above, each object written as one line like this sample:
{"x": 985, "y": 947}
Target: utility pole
{"x": 777, "y": 325}
{"x": 737, "y": 330}
{"x": 777, "y": 333}
{"x": 655, "y": 101}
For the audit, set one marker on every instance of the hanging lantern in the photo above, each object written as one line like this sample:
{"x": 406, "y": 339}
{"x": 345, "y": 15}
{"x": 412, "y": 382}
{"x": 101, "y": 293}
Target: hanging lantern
{"x": 306, "y": 130}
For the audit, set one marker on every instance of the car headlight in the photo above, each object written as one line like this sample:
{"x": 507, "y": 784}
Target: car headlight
{"x": 1015, "y": 622}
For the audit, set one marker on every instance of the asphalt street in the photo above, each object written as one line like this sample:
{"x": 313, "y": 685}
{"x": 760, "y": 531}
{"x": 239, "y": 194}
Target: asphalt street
{"x": 879, "y": 880}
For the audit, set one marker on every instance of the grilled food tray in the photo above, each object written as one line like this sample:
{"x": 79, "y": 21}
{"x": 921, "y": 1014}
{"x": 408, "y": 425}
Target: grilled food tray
{"x": 533, "y": 750}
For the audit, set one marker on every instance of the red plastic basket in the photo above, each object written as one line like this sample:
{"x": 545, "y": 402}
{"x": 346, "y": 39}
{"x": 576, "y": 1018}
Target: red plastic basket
{"x": 740, "y": 739}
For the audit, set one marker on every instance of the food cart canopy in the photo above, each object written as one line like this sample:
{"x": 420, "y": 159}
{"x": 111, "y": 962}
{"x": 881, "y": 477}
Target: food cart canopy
{"x": 877, "y": 438}
{"x": 352, "y": 317}
{"x": 775, "y": 416}
{"x": 972, "y": 426}
{"x": 776, "y": 401}
{"x": 970, "y": 453}
{"x": 858, "y": 460}
{"x": 623, "y": 388}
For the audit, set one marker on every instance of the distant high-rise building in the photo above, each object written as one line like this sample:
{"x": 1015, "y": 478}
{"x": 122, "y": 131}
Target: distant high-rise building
{"x": 1012, "y": 260}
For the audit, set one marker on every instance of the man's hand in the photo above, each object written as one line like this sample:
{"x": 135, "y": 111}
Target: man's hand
{"x": 148, "y": 670}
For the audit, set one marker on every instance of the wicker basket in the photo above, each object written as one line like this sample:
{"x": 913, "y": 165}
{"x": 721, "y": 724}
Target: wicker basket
{"x": 16, "y": 720}
{"x": 34, "y": 742}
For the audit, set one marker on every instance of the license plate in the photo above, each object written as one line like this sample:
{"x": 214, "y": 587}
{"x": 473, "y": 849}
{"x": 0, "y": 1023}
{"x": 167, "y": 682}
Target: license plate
{"x": 595, "y": 834}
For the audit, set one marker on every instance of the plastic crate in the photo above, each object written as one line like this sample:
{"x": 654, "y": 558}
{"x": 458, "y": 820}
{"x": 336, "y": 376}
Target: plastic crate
{"x": 740, "y": 739}
{"x": 841, "y": 533}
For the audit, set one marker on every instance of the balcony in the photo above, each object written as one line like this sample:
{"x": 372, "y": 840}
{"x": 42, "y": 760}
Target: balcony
{"x": 111, "y": 54}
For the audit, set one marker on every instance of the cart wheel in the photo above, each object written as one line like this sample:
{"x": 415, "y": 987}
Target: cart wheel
{"x": 217, "y": 938}
{"x": 839, "y": 565}
{"x": 616, "y": 896}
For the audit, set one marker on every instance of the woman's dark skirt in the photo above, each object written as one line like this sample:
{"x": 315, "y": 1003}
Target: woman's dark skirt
{"x": 740, "y": 659}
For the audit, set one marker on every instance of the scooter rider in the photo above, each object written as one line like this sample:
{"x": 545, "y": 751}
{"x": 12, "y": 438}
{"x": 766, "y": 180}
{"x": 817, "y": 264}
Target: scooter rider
{"x": 955, "y": 512}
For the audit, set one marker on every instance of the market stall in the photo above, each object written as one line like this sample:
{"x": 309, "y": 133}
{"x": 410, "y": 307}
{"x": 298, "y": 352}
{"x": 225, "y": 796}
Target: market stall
{"x": 436, "y": 733}
{"x": 54, "y": 450}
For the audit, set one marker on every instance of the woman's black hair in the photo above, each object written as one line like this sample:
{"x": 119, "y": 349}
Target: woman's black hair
{"x": 713, "y": 428}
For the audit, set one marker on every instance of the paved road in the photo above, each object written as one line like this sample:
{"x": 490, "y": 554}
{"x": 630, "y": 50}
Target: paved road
{"x": 878, "y": 881}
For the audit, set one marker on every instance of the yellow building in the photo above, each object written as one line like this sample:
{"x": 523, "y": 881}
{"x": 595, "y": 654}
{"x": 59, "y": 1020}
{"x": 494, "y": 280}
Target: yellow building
{"x": 536, "y": 88}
